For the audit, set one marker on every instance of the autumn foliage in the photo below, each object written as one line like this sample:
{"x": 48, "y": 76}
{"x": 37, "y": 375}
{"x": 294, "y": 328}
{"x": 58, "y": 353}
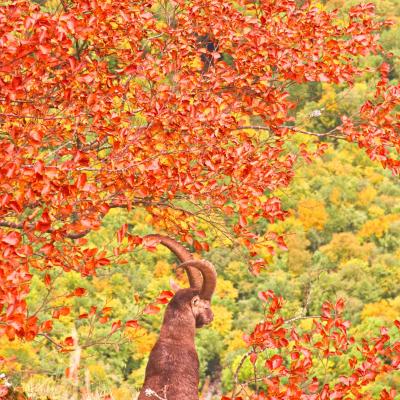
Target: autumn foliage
{"x": 289, "y": 369}
{"x": 178, "y": 107}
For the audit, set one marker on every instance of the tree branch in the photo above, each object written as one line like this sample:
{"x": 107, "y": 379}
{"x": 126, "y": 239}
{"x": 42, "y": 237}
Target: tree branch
{"x": 78, "y": 235}
{"x": 290, "y": 320}
{"x": 294, "y": 129}
{"x": 22, "y": 225}
{"x": 326, "y": 134}
{"x": 93, "y": 145}
{"x": 236, "y": 375}
{"x": 42, "y": 118}
{"x": 46, "y": 336}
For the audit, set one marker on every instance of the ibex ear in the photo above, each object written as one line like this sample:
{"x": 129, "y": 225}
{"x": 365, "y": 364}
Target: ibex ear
{"x": 195, "y": 300}
{"x": 174, "y": 286}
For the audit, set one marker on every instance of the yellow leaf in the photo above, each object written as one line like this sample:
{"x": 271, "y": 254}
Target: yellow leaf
{"x": 312, "y": 214}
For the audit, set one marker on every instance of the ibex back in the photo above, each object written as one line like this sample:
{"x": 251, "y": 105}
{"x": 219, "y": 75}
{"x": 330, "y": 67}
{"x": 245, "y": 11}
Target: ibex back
{"x": 172, "y": 372}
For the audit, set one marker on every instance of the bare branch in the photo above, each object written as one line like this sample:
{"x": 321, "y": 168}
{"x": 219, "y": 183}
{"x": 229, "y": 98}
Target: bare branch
{"x": 326, "y": 134}
{"x": 236, "y": 375}
{"x": 11, "y": 225}
{"x": 290, "y": 320}
{"x": 46, "y": 336}
{"x": 330, "y": 133}
{"x": 97, "y": 143}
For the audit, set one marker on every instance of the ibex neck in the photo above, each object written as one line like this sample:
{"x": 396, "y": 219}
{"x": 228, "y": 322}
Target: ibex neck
{"x": 179, "y": 326}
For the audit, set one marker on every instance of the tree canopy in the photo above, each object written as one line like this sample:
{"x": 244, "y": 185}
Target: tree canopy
{"x": 189, "y": 110}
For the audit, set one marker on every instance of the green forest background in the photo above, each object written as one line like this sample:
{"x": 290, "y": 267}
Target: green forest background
{"x": 343, "y": 238}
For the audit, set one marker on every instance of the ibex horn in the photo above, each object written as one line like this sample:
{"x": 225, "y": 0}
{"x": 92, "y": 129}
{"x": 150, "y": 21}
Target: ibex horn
{"x": 195, "y": 276}
{"x": 209, "y": 276}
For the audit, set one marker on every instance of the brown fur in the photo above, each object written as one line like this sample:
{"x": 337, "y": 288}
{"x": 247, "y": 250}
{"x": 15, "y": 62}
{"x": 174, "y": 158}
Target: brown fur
{"x": 173, "y": 368}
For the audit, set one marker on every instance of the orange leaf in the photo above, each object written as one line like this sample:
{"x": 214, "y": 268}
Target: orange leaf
{"x": 115, "y": 326}
{"x": 151, "y": 309}
{"x": 79, "y": 292}
{"x": 132, "y": 324}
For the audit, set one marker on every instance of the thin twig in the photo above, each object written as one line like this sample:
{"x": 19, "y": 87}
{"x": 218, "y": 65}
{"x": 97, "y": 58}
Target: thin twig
{"x": 290, "y": 320}
{"x": 259, "y": 379}
{"x": 255, "y": 377}
{"x": 326, "y": 134}
{"x": 236, "y": 375}
{"x": 294, "y": 129}
{"x": 45, "y": 335}
{"x": 45, "y": 299}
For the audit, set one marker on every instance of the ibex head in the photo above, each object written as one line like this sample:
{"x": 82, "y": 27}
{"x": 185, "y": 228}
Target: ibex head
{"x": 202, "y": 279}
{"x": 198, "y": 296}
{"x": 201, "y": 311}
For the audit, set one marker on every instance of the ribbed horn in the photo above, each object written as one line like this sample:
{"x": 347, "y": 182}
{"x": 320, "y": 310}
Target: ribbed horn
{"x": 194, "y": 275}
{"x": 209, "y": 276}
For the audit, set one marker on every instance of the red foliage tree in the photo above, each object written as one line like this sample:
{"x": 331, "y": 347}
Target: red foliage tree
{"x": 290, "y": 372}
{"x": 148, "y": 104}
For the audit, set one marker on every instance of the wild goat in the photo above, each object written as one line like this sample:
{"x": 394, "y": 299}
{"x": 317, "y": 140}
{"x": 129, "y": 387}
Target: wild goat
{"x": 172, "y": 372}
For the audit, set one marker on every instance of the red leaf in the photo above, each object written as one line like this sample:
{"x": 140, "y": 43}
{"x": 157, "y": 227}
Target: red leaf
{"x": 242, "y": 221}
{"x": 167, "y": 293}
{"x": 81, "y": 180}
{"x": 274, "y": 362}
{"x": 164, "y": 297}
{"x": 131, "y": 69}
{"x": 122, "y": 232}
{"x": 339, "y": 306}
{"x": 69, "y": 341}
{"x": 281, "y": 243}
{"x": 39, "y": 167}
{"x": 79, "y": 292}
{"x": 46, "y": 326}
{"x": 62, "y": 311}
{"x": 115, "y": 326}
{"x": 132, "y": 324}
{"x": 202, "y": 234}
{"x": 36, "y": 135}
{"x": 44, "y": 223}
{"x": 266, "y": 296}
{"x": 47, "y": 280}
{"x": 151, "y": 309}
{"x": 106, "y": 310}
{"x": 92, "y": 311}
{"x": 47, "y": 249}
{"x": 13, "y": 238}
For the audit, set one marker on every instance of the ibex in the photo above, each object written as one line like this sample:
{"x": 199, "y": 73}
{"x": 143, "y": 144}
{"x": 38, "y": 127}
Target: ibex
{"x": 172, "y": 372}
